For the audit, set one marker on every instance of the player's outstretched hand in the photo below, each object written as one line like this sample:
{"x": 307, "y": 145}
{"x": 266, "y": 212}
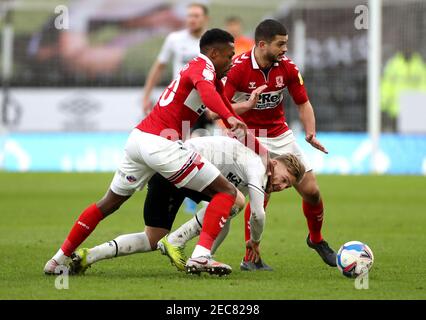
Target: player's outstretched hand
{"x": 238, "y": 128}
{"x": 253, "y": 251}
{"x": 146, "y": 106}
{"x": 255, "y": 94}
{"x": 310, "y": 138}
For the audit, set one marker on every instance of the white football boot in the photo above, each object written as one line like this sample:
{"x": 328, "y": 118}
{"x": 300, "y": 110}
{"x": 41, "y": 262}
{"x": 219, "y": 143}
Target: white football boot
{"x": 207, "y": 264}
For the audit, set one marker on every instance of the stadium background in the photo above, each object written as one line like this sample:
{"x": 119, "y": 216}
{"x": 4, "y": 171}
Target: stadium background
{"x": 58, "y": 117}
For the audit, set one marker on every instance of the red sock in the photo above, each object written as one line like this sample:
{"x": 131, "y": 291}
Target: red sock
{"x": 82, "y": 228}
{"x": 247, "y": 235}
{"x": 217, "y": 213}
{"x": 314, "y": 215}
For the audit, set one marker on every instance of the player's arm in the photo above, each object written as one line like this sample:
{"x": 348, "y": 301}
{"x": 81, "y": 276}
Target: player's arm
{"x": 153, "y": 78}
{"x": 213, "y": 101}
{"x": 257, "y": 222}
{"x": 297, "y": 91}
{"x": 244, "y": 106}
{"x": 156, "y": 72}
{"x": 230, "y": 88}
{"x": 307, "y": 117}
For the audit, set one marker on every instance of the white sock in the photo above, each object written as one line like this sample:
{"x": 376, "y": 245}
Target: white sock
{"x": 200, "y": 251}
{"x": 60, "y": 257}
{"x": 187, "y": 231}
{"x": 120, "y": 246}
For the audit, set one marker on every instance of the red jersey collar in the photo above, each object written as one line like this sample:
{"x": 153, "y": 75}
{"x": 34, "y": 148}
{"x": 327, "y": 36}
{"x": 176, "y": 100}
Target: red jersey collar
{"x": 254, "y": 62}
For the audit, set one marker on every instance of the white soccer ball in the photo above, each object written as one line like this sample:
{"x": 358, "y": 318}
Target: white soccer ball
{"x": 354, "y": 258}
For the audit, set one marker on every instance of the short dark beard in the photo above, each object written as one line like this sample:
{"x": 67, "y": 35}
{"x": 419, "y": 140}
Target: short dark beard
{"x": 271, "y": 58}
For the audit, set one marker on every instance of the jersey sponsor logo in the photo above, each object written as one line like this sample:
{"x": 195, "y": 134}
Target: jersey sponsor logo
{"x": 194, "y": 102}
{"x": 234, "y": 179}
{"x": 252, "y": 85}
{"x": 267, "y": 100}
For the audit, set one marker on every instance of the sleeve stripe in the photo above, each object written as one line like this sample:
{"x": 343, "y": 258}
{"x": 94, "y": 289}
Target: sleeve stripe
{"x": 256, "y": 188}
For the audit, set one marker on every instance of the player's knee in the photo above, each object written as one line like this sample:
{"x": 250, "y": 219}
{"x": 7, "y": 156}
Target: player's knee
{"x": 231, "y": 190}
{"x": 240, "y": 201}
{"x": 312, "y": 196}
{"x": 110, "y": 203}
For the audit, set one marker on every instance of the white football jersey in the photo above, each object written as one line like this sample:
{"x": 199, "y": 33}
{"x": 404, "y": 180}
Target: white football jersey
{"x": 182, "y": 46}
{"x": 237, "y": 163}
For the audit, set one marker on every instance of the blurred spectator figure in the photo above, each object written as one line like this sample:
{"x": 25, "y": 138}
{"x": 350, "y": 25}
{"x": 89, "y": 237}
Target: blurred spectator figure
{"x": 234, "y": 26}
{"x": 403, "y": 72}
{"x": 179, "y": 48}
{"x": 130, "y": 22}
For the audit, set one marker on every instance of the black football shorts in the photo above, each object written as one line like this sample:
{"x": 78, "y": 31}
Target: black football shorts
{"x": 163, "y": 201}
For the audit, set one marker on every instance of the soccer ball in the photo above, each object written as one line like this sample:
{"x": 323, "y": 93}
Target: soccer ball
{"x": 354, "y": 258}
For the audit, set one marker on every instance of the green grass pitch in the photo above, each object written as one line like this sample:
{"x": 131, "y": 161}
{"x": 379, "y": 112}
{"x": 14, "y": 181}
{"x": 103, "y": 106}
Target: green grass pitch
{"x": 386, "y": 212}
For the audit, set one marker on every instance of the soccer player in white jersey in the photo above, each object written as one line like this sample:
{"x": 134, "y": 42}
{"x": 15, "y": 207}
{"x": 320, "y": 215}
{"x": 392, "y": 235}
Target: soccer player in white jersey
{"x": 240, "y": 165}
{"x": 180, "y": 46}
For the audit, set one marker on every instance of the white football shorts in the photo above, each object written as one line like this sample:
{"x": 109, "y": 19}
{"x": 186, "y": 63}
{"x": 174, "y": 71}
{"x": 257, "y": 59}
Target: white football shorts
{"x": 145, "y": 154}
{"x": 285, "y": 143}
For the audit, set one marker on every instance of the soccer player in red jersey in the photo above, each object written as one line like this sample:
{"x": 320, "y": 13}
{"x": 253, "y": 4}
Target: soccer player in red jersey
{"x": 266, "y": 68}
{"x": 155, "y": 146}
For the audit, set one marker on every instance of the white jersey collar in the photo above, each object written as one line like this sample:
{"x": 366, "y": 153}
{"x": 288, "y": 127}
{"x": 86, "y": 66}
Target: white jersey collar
{"x": 254, "y": 62}
{"x": 207, "y": 59}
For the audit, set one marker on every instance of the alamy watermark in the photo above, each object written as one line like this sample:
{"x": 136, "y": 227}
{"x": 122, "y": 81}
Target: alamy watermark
{"x": 62, "y": 280}
{"x": 62, "y": 20}
{"x": 362, "y": 282}
{"x": 361, "y": 20}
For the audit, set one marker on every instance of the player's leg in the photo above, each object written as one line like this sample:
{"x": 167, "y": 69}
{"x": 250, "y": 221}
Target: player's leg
{"x": 313, "y": 210}
{"x": 131, "y": 175}
{"x": 123, "y": 245}
{"x": 308, "y": 188}
{"x": 223, "y": 195}
{"x": 192, "y": 227}
{"x": 83, "y": 227}
{"x": 174, "y": 244}
{"x": 186, "y": 168}
{"x": 161, "y": 205}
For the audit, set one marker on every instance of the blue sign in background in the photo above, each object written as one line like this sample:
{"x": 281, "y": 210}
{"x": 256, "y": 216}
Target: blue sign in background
{"x": 349, "y": 153}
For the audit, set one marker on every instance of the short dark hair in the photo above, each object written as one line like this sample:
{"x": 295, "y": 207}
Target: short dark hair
{"x": 214, "y": 37}
{"x": 268, "y": 29}
{"x": 200, "y": 5}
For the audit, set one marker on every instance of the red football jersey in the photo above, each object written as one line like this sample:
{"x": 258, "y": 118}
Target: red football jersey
{"x": 245, "y": 76}
{"x": 180, "y": 105}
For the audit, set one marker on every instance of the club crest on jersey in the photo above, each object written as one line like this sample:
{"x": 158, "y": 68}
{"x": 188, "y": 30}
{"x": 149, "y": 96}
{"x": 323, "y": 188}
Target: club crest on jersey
{"x": 252, "y": 85}
{"x": 279, "y": 82}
